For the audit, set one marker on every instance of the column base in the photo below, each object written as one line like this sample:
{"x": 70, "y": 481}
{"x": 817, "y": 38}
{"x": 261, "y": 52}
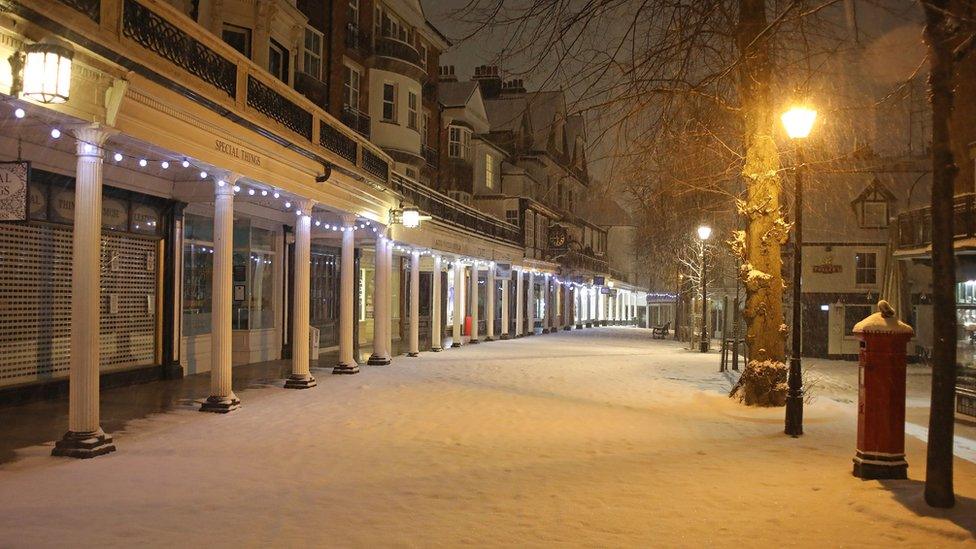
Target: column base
{"x": 436, "y": 349}
{"x": 567, "y": 328}
{"x": 221, "y": 404}
{"x": 473, "y": 341}
{"x": 413, "y": 355}
{"x": 377, "y": 360}
{"x": 504, "y": 337}
{"x": 83, "y": 444}
{"x": 303, "y": 381}
{"x": 344, "y": 369}
{"x": 455, "y": 345}
{"x": 545, "y": 330}
{"x": 579, "y": 326}
{"x": 527, "y": 334}
{"x": 589, "y": 325}
{"x": 870, "y": 466}
{"x": 603, "y": 323}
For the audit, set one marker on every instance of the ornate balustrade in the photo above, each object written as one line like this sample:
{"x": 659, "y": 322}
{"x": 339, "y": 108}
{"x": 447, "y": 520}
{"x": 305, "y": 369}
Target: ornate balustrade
{"x": 447, "y": 210}
{"x": 160, "y": 42}
{"x": 357, "y": 120}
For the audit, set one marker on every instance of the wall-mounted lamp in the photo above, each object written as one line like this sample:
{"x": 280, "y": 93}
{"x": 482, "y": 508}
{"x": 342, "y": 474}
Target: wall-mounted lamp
{"x": 42, "y": 72}
{"x": 408, "y": 217}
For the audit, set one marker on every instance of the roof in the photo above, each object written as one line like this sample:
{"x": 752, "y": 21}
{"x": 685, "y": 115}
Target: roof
{"x": 540, "y": 110}
{"x": 455, "y": 94}
{"x": 606, "y": 212}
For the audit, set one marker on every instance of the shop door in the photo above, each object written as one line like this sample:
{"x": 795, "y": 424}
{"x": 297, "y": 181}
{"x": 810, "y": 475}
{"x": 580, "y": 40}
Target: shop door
{"x": 815, "y": 330}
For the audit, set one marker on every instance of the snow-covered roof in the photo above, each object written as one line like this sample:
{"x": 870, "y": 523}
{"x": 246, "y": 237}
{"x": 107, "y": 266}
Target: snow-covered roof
{"x": 455, "y": 94}
{"x": 606, "y": 212}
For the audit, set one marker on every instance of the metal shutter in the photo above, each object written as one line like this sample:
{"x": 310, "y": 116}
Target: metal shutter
{"x": 35, "y": 302}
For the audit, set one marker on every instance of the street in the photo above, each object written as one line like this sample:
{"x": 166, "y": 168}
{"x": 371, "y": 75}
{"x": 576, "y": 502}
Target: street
{"x": 601, "y": 437}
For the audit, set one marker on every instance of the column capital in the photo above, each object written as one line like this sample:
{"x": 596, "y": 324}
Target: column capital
{"x": 305, "y": 204}
{"x": 223, "y": 187}
{"x": 90, "y": 138}
{"x": 348, "y": 219}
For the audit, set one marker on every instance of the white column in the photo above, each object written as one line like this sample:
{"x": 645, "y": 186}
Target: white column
{"x": 620, "y": 306}
{"x": 490, "y": 291}
{"x": 436, "y": 326}
{"x": 473, "y": 300}
{"x": 222, "y": 398}
{"x": 578, "y": 293}
{"x": 414, "y": 349}
{"x": 347, "y": 362}
{"x": 505, "y": 318}
{"x": 85, "y": 437}
{"x": 301, "y": 376}
{"x": 601, "y": 305}
{"x": 458, "y": 303}
{"x": 594, "y": 305}
{"x": 388, "y": 297}
{"x": 381, "y": 304}
{"x": 567, "y": 305}
{"x": 557, "y": 310}
{"x": 530, "y": 306}
{"x": 519, "y": 302}
{"x": 546, "y": 304}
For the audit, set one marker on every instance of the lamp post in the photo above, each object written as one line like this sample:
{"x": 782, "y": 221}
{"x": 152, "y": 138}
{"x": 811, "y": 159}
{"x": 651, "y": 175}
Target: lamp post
{"x": 703, "y": 233}
{"x": 798, "y": 122}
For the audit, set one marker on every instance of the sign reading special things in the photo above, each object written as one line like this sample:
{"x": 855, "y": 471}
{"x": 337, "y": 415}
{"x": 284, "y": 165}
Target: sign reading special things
{"x": 13, "y": 190}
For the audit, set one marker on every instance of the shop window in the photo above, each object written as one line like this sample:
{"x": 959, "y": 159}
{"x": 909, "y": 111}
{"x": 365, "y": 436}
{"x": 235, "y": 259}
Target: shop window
{"x": 145, "y": 219}
{"x": 197, "y": 274}
{"x": 389, "y": 102}
{"x": 854, "y": 314}
{"x": 412, "y": 110}
{"x": 238, "y": 38}
{"x": 866, "y": 268}
{"x": 278, "y": 61}
{"x": 324, "y": 309}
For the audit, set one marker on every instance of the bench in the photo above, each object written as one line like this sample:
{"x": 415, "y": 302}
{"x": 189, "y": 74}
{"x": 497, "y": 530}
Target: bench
{"x": 660, "y": 332}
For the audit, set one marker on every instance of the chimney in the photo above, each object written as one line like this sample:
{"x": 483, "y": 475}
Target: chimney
{"x": 513, "y": 87}
{"x": 446, "y": 73}
{"x": 488, "y": 80}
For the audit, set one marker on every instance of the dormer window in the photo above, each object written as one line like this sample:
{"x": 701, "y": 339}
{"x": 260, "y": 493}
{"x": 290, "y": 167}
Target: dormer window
{"x": 872, "y": 206}
{"x": 458, "y": 142}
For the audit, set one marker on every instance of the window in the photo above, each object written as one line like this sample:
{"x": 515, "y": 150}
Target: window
{"x": 278, "y": 61}
{"x": 425, "y": 129}
{"x": 412, "y": 110}
{"x": 512, "y": 216}
{"x": 389, "y": 102}
{"x": 354, "y": 79}
{"x": 866, "y": 268}
{"x": 197, "y": 274}
{"x": 458, "y": 142}
{"x": 239, "y": 38}
{"x": 489, "y": 171}
{"x": 874, "y": 215}
{"x": 312, "y": 53}
{"x": 352, "y": 15}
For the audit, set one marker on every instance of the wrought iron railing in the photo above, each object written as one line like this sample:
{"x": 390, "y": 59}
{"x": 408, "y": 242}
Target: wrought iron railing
{"x": 356, "y": 38}
{"x": 167, "y": 40}
{"x": 574, "y": 259}
{"x": 430, "y": 156}
{"x": 338, "y": 142}
{"x": 91, "y": 8}
{"x": 375, "y": 165}
{"x": 915, "y": 226}
{"x": 388, "y": 47}
{"x": 157, "y": 40}
{"x": 276, "y": 106}
{"x": 355, "y": 119}
{"x": 445, "y": 209}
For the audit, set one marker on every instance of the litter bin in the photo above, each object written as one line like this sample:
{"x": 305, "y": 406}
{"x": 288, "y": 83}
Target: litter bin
{"x": 881, "y": 396}
{"x": 313, "y": 347}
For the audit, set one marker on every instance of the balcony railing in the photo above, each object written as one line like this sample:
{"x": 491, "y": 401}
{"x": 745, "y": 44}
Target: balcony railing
{"x": 357, "y": 39}
{"x": 162, "y": 43}
{"x": 430, "y": 156}
{"x": 915, "y": 226}
{"x": 388, "y": 47}
{"x": 355, "y": 119}
{"x": 577, "y": 260}
{"x": 447, "y": 210}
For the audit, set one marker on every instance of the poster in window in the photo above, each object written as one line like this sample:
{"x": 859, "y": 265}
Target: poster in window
{"x": 13, "y": 190}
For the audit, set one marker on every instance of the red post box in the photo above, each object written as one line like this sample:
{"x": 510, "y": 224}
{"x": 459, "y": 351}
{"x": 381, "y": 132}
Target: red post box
{"x": 881, "y": 396}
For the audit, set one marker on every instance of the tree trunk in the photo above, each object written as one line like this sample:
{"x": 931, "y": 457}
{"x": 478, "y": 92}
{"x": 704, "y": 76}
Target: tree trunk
{"x": 763, "y": 382}
{"x": 938, "y": 474}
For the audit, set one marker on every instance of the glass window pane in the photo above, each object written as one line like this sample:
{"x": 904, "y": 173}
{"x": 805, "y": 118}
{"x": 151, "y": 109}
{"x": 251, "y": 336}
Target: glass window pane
{"x": 197, "y": 288}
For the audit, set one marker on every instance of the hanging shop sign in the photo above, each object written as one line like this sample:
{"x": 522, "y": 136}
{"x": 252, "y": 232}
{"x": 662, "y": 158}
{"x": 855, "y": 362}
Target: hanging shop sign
{"x": 599, "y": 281}
{"x": 503, "y": 270}
{"x": 13, "y": 190}
{"x": 828, "y": 266}
{"x": 604, "y": 290}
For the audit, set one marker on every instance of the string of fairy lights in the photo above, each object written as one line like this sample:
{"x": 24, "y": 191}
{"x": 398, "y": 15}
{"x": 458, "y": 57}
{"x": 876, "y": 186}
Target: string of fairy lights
{"x": 121, "y": 158}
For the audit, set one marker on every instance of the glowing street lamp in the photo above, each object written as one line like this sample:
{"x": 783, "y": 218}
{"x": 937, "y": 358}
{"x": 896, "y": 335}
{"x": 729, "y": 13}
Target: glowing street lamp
{"x": 704, "y": 232}
{"x": 798, "y": 122}
{"x": 46, "y": 74}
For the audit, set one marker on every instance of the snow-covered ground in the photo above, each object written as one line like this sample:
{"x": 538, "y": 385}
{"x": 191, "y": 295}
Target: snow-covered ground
{"x": 597, "y": 438}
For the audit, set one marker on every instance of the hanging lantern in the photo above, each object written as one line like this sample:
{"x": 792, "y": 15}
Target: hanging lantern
{"x": 411, "y": 218}
{"x": 47, "y": 72}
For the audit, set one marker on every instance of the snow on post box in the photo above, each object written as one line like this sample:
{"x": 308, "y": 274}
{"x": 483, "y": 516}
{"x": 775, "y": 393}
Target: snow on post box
{"x": 881, "y": 395}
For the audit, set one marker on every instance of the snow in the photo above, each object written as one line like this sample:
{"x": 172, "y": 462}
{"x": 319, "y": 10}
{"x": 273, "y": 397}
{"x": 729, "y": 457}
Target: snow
{"x": 877, "y": 323}
{"x": 595, "y": 438}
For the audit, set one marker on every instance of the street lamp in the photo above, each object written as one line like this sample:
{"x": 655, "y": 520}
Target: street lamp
{"x": 703, "y": 233}
{"x": 798, "y": 122}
